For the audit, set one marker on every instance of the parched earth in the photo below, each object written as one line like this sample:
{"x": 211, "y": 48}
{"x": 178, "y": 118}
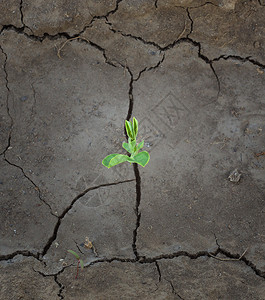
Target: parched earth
{"x": 193, "y": 74}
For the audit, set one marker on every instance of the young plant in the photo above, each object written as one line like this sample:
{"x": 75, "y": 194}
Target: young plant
{"x": 141, "y": 158}
{"x": 79, "y": 261}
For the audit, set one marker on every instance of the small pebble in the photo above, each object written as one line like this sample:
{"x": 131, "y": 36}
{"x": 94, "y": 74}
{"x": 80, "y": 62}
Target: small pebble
{"x": 23, "y": 98}
{"x": 234, "y": 176}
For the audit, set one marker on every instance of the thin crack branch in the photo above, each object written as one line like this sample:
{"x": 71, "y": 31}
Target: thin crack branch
{"x": 21, "y": 30}
{"x": 158, "y": 270}
{"x": 68, "y": 208}
{"x": 217, "y": 79}
{"x": 20, "y": 252}
{"x": 53, "y": 274}
{"x": 138, "y": 38}
{"x": 94, "y": 18}
{"x": 229, "y": 259}
{"x": 178, "y": 254}
{"x": 204, "y": 4}
{"x": 22, "y": 17}
{"x": 243, "y": 259}
{"x": 77, "y": 246}
{"x": 110, "y": 260}
{"x": 191, "y": 22}
{"x": 132, "y": 80}
{"x": 21, "y": 13}
{"x": 241, "y": 59}
{"x": 30, "y": 180}
{"x": 150, "y": 68}
{"x": 85, "y": 40}
{"x": 103, "y": 51}
{"x": 60, "y": 285}
{"x": 146, "y": 42}
{"x": 7, "y": 101}
{"x": 173, "y": 289}
{"x": 4, "y": 66}
{"x": 172, "y": 286}
{"x": 114, "y": 10}
{"x": 198, "y": 6}
{"x": 216, "y": 241}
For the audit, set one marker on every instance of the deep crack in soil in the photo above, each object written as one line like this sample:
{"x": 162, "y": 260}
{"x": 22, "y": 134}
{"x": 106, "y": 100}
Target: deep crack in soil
{"x": 137, "y": 212}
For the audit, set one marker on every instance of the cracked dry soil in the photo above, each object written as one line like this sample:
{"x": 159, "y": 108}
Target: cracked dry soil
{"x": 192, "y": 73}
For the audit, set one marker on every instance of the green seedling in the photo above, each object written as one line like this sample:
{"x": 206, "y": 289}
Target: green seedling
{"x": 141, "y": 158}
{"x": 79, "y": 261}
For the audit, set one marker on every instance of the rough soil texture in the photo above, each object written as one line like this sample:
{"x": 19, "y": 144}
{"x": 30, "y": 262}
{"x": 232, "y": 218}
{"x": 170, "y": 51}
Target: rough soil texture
{"x": 193, "y": 74}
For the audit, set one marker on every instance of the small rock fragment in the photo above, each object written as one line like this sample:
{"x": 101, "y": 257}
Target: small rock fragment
{"x": 234, "y": 176}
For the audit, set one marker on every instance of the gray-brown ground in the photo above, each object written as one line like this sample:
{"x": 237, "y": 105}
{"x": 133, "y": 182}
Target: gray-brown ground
{"x": 192, "y": 73}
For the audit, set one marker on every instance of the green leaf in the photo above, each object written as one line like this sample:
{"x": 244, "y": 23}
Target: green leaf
{"x": 142, "y": 158}
{"x": 135, "y": 127}
{"x": 74, "y": 253}
{"x": 140, "y": 145}
{"x": 126, "y": 146}
{"x": 118, "y": 159}
{"x": 81, "y": 264}
{"x": 129, "y": 129}
{"x": 107, "y": 159}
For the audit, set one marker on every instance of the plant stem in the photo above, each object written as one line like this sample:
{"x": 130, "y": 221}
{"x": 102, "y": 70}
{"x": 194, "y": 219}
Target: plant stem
{"x": 77, "y": 269}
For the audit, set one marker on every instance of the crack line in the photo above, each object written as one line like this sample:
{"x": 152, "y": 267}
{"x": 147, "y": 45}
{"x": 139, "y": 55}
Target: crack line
{"x": 204, "y": 4}
{"x": 193, "y": 256}
{"x": 150, "y": 68}
{"x": 53, "y": 274}
{"x": 68, "y": 208}
{"x": 137, "y": 213}
{"x": 19, "y": 252}
{"x": 22, "y": 17}
{"x": 55, "y": 277}
{"x": 158, "y": 270}
{"x": 92, "y": 44}
{"x": 7, "y": 101}
{"x": 61, "y": 287}
{"x": 30, "y": 180}
{"x": 173, "y": 289}
{"x": 239, "y": 58}
{"x": 191, "y": 22}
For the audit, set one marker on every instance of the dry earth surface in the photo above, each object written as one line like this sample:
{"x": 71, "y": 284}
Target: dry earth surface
{"x": 193, "y": 74}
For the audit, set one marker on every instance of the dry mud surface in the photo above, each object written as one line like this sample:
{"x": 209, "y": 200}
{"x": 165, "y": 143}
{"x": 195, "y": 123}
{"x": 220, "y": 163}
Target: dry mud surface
{"x": 193, "y": 74}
